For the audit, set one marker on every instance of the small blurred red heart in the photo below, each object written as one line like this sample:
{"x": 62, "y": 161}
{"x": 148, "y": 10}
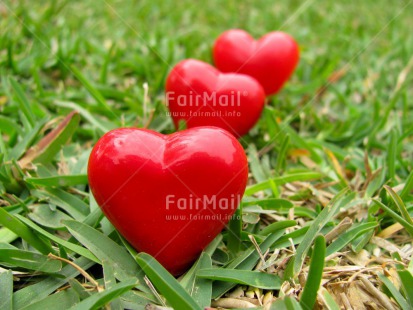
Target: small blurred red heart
{"x": 169, "y": 196}
{"x": 200, "y": 95}
{"x": 270, "y": 60}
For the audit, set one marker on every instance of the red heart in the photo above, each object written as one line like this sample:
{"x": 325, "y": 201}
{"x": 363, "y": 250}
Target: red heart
{"x": 202, "y": 96}
{"x": 271, "y": 60}
{"x": 169, "y": 196}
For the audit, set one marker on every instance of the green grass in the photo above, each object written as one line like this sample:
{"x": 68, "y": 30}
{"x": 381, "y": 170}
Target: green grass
{"x": 316, "y": 156}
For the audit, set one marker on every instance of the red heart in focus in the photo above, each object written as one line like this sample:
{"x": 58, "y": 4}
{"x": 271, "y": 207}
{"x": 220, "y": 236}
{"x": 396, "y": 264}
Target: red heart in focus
{"x": 199, "y": 94}
{"x": 270, "y": 60}
{"x": 169, "y": 196}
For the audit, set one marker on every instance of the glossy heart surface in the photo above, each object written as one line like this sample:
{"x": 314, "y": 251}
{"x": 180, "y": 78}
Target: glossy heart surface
{"x": 200, "y": 95}
{"x": 168, "y": 195}
{"x": 270, "y": 60}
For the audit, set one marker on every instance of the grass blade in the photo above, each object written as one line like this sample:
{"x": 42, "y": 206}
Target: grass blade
{"x": 269, "y": 203}
{"x": 276, "y": 226}
{"x": 6, "y": 290}
{"x": 315, "y": 274}
{"x": 24, "y": 104}
{"x": 7, "y": 236}
{"x": 79, "y": 289}
{"x": 399, "y": 204}
{"x": 406, "y": 279}
{"x": 359, "y": 243}
{"x": 106, "y": 109}
{"x": 210, "y": 249}
{"x": 137, "y": 300}
{"x": 64, "y": 300}
{"x": 281, "y": 158}
{"x": 301, "y": 176}
{"x": 8, "y": 126}
{"x": 15, "y": 225}
{"x": 45, "y": 216}
{"x": 391, "y": 155}
{"x": 253, "y": 278}
{"x": 19, "y": 149}
{"x": 202, "y": 288}
{"x": 166, "y": 284}
{"x": 29, "y": 260}
{"x": 398, "y": 297}
{"x": 323, "y": 218}
{"x": 329, "y": 301}
{"x": 100, "y": 299}
{"x": 33, "y": 293}
{"x": 295, "y": 236}
{"x": 257, "y": 170}
{"x": 110, "y": 281}
{"x": 104, "y": 70}
{"x": 69, "y": 245}
{"x": 234, "y": 232}
{"x": 46, "y": 149}
{"x": 102, "y": 126}
{"x": 408, "y": 186}
{"x": 288, "y": 303}
{"x": 395, "y": 216}
{"x": 349, "y": 236}
{"x": 188, "y": 280}
{"x": 105, "y": 249}
{"x": 249, "y": 258}
{"x": 75, "y": 207}
{"x": 59, "y": 180}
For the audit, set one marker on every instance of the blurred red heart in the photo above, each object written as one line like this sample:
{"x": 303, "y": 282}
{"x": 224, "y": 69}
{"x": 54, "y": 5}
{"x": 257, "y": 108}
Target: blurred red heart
{"x": 169, "y": 196}
{"x": 200, "y": 95}
{"x": 270, "y": 60}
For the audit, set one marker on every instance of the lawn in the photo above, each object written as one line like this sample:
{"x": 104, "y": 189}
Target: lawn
{"x": 333, "y": 151}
